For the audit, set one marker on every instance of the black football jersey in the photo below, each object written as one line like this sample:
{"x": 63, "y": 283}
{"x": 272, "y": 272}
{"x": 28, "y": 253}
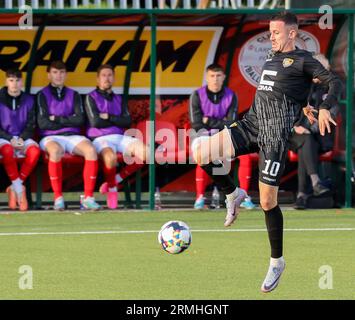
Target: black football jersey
{"x": 283, "y": 91}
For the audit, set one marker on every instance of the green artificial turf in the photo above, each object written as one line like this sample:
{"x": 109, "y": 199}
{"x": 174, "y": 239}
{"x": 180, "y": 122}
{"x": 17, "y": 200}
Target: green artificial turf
{"x": 116, "y": 255}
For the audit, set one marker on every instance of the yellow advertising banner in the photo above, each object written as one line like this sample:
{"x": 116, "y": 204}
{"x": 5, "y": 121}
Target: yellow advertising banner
{"x": 182, "y": 55}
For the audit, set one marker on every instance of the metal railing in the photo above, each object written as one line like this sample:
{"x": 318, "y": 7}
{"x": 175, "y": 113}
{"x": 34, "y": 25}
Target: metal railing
{"x": 145, "y": 4}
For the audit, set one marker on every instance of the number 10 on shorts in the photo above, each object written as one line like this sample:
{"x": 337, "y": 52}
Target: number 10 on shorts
{"x": 271, "y": 168}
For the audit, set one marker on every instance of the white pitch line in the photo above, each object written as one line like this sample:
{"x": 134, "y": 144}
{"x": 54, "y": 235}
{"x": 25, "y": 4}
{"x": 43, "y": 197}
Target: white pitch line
{"x": 156, "y": 231}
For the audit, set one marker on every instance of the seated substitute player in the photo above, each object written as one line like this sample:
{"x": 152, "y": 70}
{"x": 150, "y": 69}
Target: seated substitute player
{"x": 60, "y": 118}
{"x": 108, "y": 117}
{"x": 281, "y": 94}
{"x": 17, "y": 123}
{"x": 211, "y": 108}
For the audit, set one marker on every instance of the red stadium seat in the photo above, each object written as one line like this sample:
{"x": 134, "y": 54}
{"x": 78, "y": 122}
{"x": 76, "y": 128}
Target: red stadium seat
{"x": 327, "y": 156}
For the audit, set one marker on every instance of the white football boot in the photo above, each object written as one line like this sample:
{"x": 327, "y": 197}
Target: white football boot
{"x": 273, "y": 275}
{"x": 233, "y": 207}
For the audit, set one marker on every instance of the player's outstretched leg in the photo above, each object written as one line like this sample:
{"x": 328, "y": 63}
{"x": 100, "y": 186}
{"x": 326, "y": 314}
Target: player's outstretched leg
{"x": 209, "y": 159}
{"x": 274, "y": 225}
{"x": 234, "y": 195}
{"x": 276, "y": 268}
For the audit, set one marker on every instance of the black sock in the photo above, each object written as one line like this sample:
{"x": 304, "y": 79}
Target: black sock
{"x": 274, "y": 225}
{"x": 224, "y": 181}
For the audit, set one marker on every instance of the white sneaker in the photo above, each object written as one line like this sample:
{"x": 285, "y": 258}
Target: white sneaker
{"x": 59, "y": 204}
{"x": 90, "y": 204}
{"x": 233, "y": 207}
{"x": 247, "y": 204}
{"x": 273, "y": 276}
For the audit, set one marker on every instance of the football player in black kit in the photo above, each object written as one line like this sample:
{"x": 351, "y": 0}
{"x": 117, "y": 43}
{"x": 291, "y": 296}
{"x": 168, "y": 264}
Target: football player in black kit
{"x": 280, "y": 97}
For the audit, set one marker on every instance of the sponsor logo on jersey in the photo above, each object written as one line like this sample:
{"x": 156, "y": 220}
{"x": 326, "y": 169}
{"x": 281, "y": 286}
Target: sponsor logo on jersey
{"x": 269, "y": 179}
{"x": 264, "y": 88}
{"x": 287, "y": 62}
{"x": 266, "y": 85}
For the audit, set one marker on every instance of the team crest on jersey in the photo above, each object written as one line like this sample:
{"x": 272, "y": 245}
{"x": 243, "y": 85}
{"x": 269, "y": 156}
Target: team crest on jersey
{"x": 287, "y": 62}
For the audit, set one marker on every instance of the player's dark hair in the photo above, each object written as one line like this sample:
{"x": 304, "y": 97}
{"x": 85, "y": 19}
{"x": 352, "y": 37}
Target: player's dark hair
{"x": 287, "y": 17}
{"x": 13, "y": 73}
{"x": 57, "y": 64}
{"x": 104, "y": 66}
{"x": 214, "y": 67}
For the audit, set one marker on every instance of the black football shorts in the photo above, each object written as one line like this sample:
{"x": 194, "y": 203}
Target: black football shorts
{"x": 271, "y": 162}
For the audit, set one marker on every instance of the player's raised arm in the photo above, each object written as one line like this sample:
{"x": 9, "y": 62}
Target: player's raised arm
{"x": 316, "y": 70}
